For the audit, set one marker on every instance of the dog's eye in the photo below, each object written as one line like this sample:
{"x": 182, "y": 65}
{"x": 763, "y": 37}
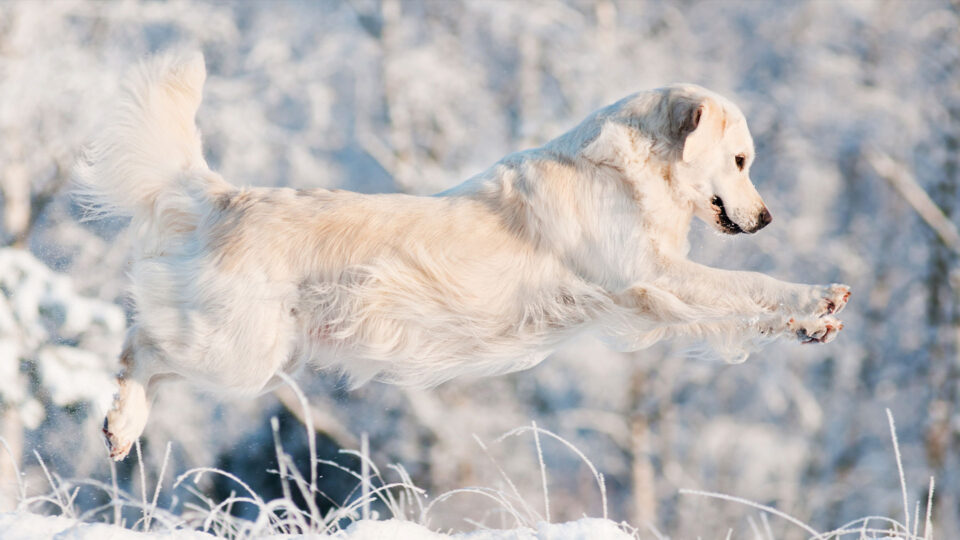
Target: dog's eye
{"x": 740, "y": 159}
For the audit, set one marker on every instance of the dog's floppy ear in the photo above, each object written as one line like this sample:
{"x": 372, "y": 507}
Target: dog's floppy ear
{"x": 700, "y": 125}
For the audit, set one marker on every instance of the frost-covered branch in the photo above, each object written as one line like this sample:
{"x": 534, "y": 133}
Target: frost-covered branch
{"x": 902, "y": 180}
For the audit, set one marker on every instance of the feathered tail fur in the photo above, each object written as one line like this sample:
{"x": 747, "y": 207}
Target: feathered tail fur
{"x": 147, "y": 162}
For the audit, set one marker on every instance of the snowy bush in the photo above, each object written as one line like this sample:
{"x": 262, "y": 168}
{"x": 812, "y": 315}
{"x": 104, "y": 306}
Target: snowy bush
{"x": 65, "y": 341}
{"x": 57, "y": 350}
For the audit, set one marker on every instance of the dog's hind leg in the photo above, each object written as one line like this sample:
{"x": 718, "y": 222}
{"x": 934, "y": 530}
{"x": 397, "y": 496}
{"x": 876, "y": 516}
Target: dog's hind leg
{"x": 138, "y": 382}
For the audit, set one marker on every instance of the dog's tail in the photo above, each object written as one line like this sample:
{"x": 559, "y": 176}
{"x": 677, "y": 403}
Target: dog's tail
{"x": 148, "y": 159}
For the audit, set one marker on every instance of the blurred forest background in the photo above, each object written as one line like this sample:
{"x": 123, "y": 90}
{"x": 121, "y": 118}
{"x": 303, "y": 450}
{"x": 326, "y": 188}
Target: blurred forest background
{"x": 853, "y": 106}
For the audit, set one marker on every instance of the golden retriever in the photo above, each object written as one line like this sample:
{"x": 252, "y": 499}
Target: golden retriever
{"x": 586, "y": 233}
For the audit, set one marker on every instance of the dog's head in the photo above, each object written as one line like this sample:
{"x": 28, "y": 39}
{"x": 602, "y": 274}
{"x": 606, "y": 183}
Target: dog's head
{"x": 701, "y": 142}
{"x": 715, "y": 153}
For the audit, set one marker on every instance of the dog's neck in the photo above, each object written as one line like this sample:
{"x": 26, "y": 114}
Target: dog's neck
{"x": 667, "y": 221}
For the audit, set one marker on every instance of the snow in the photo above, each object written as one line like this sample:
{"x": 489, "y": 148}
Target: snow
{"x": 583, "y": 529}
{"x": 26, "y": 526}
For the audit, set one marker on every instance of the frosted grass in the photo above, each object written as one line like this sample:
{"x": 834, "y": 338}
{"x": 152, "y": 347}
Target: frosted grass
{"x": 401, "y": 498}
{"x": 865, "y": 528}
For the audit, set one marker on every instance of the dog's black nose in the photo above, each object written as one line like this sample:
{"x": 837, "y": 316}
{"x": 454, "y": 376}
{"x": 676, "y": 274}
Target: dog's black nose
{"x": 765, "y": 218}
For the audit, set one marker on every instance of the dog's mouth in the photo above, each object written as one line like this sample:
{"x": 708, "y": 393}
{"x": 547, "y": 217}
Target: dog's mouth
{"x": 723, "y": 220}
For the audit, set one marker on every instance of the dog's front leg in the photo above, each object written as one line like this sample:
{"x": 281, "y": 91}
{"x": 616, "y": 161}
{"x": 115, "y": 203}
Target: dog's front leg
{"x": 749, "y": 293}
{"x": 653, "y": 314}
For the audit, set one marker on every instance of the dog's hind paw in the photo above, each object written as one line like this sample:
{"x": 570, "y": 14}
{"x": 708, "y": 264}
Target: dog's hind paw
{"x": 122, "y": 431}
{"x": 820, "y": 330}
{"x": 119, "y": 448}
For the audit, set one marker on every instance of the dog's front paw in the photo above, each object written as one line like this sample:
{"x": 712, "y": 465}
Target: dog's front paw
{"x": 833, "y": 300}
{"x": 820, "y": 330}
{"x": 804, "y": 301}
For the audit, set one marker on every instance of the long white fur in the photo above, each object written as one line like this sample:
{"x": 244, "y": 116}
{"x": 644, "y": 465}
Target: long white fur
{"x": 587, "y": 233}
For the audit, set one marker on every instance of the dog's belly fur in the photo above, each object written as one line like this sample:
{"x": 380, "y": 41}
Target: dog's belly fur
{"x": 271, "y": 278}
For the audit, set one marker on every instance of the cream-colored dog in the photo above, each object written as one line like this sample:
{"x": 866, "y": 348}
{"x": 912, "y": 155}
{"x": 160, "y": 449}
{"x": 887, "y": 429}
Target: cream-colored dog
{"x": 588, "y": 232}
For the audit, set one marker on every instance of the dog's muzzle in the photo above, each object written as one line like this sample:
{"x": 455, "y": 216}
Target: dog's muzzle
{"x": 728, "y": 226}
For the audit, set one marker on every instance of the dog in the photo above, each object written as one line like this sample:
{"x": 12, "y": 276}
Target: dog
{"x": 588, "y": 233}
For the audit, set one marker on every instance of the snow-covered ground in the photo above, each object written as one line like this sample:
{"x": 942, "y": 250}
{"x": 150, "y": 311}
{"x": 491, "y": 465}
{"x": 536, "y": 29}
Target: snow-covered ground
{"x": 415, "y": 96}
{"x": 25, "y": 526}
